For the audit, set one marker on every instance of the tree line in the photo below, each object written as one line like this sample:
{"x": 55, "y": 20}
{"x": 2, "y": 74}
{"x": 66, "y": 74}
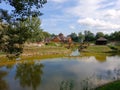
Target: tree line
{"x": 88, "y": 36}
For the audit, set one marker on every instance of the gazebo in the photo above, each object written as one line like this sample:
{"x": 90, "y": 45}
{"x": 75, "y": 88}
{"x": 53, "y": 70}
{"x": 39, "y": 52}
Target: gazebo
{"x": 101, "y": 41}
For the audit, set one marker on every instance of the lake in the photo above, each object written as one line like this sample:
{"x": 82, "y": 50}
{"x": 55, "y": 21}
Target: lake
{"x": 70, "y": 73}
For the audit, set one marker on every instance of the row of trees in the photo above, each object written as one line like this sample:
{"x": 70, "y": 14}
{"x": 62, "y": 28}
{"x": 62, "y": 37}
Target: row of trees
{"x": 88, "y": 36}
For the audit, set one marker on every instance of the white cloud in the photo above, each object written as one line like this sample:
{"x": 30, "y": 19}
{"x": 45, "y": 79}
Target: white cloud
{"x": 99, "y": 24}
{"x": 84, "y": 8}
{"x": 113, "y": 14}
{"x": 72, "y": 27}
{"x": 103, "y": 15}
{"x": 80, "y": 15}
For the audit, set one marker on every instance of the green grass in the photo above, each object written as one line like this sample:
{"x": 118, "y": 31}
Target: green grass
{"x": 46, "y": 50}
{"x": 100, "y": 52}
{"x": 37, "y": 53}
{"x": 110, "y": 86}
{"x": 98, "y": 49}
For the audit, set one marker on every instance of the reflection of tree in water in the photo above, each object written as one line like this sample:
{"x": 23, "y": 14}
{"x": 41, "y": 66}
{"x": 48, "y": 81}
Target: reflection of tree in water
{"x": 101, "y": 58}
{"x": 3, "y": 84}
{"x": 29, "y": 74}
{"x": 9, "y": 66}
{"x": 67, "y": 85}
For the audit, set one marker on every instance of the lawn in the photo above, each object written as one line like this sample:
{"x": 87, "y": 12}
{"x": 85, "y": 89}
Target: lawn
{"x": 98, "y": 49}
{"x": 110, "y": 86}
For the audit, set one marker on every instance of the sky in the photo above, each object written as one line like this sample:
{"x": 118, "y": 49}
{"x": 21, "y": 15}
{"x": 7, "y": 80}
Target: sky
{"x": 68, "y": 16}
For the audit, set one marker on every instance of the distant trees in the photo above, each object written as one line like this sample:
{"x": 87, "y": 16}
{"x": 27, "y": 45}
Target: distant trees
{"x": 99, "y": 34}
{"x": 74, "y": 37}
{"x": 81, "y": 37}
{"x": 88, "y": 36}
{"x": 115, "y": 36}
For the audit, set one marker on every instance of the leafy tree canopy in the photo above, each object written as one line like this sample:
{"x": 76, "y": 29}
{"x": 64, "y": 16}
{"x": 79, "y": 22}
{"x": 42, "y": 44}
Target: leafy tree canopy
{"x": 21, "y": 24}
{"x": 25, "y": 8}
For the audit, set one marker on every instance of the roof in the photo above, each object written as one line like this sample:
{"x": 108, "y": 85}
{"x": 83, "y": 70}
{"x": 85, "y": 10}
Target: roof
{"x": 101, "y": 39}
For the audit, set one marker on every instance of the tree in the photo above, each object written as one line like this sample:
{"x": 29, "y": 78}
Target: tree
{"x": 25, "y": 8}
{"x": 99, "y": 34}
{"x": 115, "y": 36}
{"x": 20, "y": 26}
{"x": 12, "y": 38}
{"x": 33, "y": 25}
{"x": 89, "y": 36}
{"x": 74, "y": 37}
{"x": 81, "y": 37}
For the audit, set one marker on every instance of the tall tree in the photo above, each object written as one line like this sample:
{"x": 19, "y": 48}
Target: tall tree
{"x": 33, "y": 25}
{"x": 81, "y": 37}
{"x": 115, "y": 36}
{"x": 89, "y": 36}
{"x": 74, "y": 37}
{"x": 17, "y": 31}
{"x": 99, "y": 34}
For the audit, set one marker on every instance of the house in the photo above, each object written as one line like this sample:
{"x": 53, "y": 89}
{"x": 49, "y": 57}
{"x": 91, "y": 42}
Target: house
{"x": 61, "y": 38}
{"x": 56, "y": 39}
{"x": 101, "y": 41}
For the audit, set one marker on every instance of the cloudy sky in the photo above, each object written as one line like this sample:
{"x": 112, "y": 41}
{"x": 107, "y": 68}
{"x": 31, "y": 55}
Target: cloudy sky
{"x": 69, "y": 16}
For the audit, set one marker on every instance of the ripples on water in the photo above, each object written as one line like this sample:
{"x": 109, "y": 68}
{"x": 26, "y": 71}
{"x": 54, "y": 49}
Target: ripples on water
{"x": 76, "y": 73}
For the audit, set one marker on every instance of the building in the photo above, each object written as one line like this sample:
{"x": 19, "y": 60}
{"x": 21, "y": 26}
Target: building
{"x": 61, "y": 38}
{"x": 101, "y": 41}
{"x": 56, "y": 39}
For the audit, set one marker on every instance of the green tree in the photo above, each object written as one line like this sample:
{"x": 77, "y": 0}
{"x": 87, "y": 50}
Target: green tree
{"x": 89, "y": 36}
{"x": 81, "y": 37}
{"x": 74, "y": 37}
{"x": 20, "y": 26}
{"x": 37, "y": 34}
{"x": 25, "y": 8}
{"x": 115, "y": 36}
{"x": 12, "y": 38}
{"x": 99, "y": 34}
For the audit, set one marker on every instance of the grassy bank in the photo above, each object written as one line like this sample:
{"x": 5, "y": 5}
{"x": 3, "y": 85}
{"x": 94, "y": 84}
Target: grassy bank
{"x": 37, "y": 53}
{"x": 110, "y": 86}
{"x": 96, "y": 50}
{"x": 100, "y": 49}
{"x": 45, "y": 50}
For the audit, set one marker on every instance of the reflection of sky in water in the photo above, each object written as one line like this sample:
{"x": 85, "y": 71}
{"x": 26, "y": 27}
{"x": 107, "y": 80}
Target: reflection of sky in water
{"x": 79, "y": 72}
{"x": 75, "y": 53}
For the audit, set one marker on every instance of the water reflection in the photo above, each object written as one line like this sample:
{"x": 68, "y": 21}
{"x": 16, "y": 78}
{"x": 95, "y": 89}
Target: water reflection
{"x": 10, "y": 66}
{"x": 29, "y": 74}
{"x": 67, "y": 85}
{"x": 74, "y": 73}
{"x": 3, "y": 84}
{"x": 101, "y": 58}
{"x": 75, "y": 53}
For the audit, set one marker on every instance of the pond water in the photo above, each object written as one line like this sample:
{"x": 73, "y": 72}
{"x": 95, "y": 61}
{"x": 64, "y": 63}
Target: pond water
{"x": 73, "y": 73}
